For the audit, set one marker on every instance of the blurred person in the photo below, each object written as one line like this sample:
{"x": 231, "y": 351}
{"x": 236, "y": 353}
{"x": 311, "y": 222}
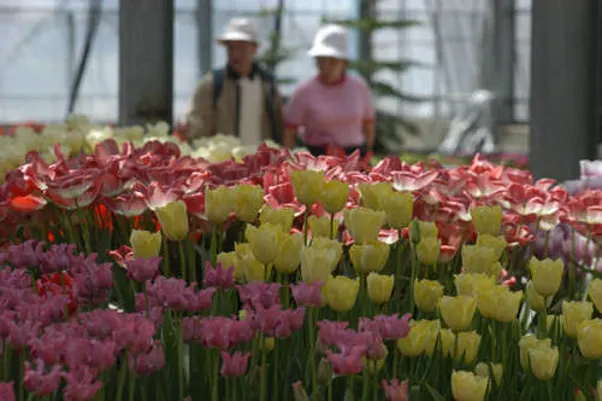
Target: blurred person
{"x": 240, "y": 99}
{"x": 333, "y": 108}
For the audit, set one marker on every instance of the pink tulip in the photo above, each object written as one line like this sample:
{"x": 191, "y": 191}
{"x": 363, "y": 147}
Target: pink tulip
{"x": 234, "y": 365}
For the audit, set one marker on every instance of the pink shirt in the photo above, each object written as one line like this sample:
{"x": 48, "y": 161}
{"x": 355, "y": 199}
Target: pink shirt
{"x": 331, "y": 114}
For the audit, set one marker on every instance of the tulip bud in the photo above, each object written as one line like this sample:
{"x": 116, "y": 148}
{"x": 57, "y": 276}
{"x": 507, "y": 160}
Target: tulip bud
{"x": 320, "y": 348}
{"x": 299, "y": 393}
{"x": 415, "y": 232}
{"x": 324, "y": 372}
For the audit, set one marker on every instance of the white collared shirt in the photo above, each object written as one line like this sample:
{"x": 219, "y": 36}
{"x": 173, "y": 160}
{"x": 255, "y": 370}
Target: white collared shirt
{"x": 251, "y": 111}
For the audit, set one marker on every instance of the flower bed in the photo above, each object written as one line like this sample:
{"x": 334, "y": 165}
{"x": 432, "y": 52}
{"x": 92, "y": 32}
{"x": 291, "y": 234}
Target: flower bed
{"x": 140, "y": 273}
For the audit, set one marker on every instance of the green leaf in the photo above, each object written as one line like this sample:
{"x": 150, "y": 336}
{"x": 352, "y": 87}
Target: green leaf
{"x": 387, "y": 90}
{"x": 410, "y": 127}
{"x": 373, "y": 24}
{"x": 434, "y": 393}
{"x": 368, "y": 68}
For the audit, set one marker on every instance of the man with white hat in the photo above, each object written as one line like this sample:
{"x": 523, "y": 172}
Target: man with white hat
{"x": 240, "y": 99}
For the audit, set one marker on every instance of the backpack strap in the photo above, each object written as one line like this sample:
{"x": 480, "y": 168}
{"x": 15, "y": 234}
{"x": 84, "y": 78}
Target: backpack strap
{"x": 270, "y": 100}
{"x": 218, "y": 82}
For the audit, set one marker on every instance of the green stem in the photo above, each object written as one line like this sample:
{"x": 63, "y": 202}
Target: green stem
{"x": 395, "y": 361}
{"x": 366, "y": 388}
{"x": 350, "y": 389}
{"x": 332, "y": 226}
{"x": 215, "y": 384}
{"x": 263, "y": 395}
{"x": 121, "y": 380}
{"x": 275, "y": 384}
{"x": 132, "y": 383}
{"x": 166, "y": 264}
{"x": 180, "y": 361}
{"x": 183, "y": 266}
{"x": 312, "y": 355}
{"x": 213, "y": 245}
{"x": 305, "y": 223}
{"x": 21, "y": 374}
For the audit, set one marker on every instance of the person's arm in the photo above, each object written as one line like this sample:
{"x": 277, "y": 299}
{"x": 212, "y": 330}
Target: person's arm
{"x": 200, "y": 117}
{"x": 290, "y": 137}
{"x": 369, "y": 134}
{"x": 368, "y": 118}
{"x": 295, "y": 111}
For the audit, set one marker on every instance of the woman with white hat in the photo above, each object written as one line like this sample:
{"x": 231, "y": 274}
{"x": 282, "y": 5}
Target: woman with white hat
{"x": 333, "y": 108}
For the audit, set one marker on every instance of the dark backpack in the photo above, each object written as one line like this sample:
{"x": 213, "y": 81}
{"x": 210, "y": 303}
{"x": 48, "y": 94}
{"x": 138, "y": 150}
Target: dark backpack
{"x": 218, "y": 81}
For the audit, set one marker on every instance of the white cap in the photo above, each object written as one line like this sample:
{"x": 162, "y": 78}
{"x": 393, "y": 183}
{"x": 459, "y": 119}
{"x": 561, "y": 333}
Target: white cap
{"x": 330, "y": 41}
{"x": 239, "y": 29}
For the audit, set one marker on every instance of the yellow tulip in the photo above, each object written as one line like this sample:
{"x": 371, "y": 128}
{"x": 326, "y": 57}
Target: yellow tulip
{"x": 466, "y": 386}
{"x": 252, "y": 269}
{"x": 589, "y": 336}
{"x": 544, "y": 361}
{"x": 595, "y": 293}
{"x": 289, "y": 254}
{"x": 219, "y": 203}
{"x": 427, "y": 294}
{"x": 145, "y": 244}
{"x": 546, "y": 275}
{"x": 477, "y": 259}
{"x": 422, "y": 335}
{"x": 319, "y": 226}
{"x": 229, "y": 259}
{"x": 448, "y": 342}
{"x": 432, "y": 329}
{"x": 497, "y": 244}
{"x": 372, "y": 194}
{"x": 526, "y": 344}
{"x": 457, "y": 312}
{"x": 499, "y": 303}
{"x": 308, "y": 185}
{"x": 364, "y": 224}
{"x": 428, "y": 250}
{"x": 554, "y": 322}
{"x": 487, "y": 219}
{"x": 249, "y": 199}
{"x": 467, "y": 346}
{"x": 485, "y": 369}
{"x": 269, "y": 343}
{"x": 373, "y": 366}
{"x": 423, "y": 229}
{"x": 535, "y": 301}
{"x": 320, "y": 259}
{"x": 173, "y": 219}
{"x": 341, "y": 292}
{"x": 380, "y": 287}
{"x": 334, "y": 196}
{"x": 264, "y": 241}
{"x": 370, "y": 257}
{"x": 470, "y": 283}
{"x": 398, "y": 208}
{"x": 575, "y": 312}
{"x": 282, "y": 217}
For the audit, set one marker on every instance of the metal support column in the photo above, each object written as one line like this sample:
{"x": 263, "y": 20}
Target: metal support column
{"x": 146, "y": 61}
{"x": 497, "y": 57}
{"x": 564, "y": 86}
{"x": 204, "y": 21}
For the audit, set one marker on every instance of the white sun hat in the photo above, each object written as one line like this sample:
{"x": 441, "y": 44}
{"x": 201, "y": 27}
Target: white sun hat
{"x": 331, "y": 41}
{"x": 240, "y": 30}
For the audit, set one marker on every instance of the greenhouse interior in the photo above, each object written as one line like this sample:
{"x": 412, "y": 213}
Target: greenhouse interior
{"x": 274, "y": 200}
